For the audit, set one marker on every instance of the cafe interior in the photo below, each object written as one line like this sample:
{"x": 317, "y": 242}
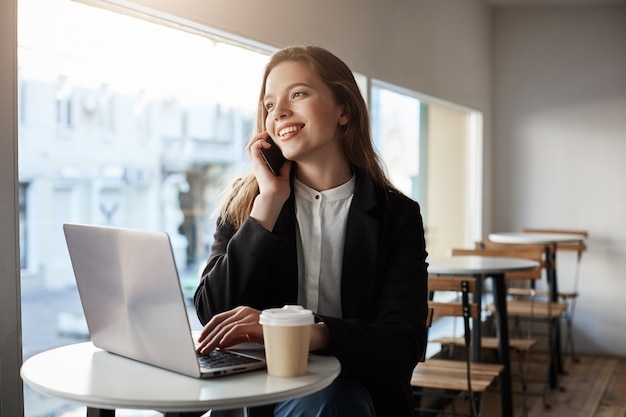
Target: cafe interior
{"x": 546, "y": 83}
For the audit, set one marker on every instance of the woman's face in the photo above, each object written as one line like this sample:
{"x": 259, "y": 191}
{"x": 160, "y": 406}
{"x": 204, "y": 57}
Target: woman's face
{"x": 303, "y": 117}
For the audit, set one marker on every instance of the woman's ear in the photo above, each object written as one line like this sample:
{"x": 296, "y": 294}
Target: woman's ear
{"x": 343, "y": 117}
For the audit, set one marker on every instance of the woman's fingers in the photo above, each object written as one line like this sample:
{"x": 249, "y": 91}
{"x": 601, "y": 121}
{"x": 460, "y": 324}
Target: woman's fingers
{"x": 238, "y": 325}
{"x": 253, "y": 148}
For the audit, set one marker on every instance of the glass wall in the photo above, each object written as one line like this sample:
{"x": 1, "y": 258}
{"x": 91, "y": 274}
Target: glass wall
{"x": 396, "y": 131}
{"x": 431, "y": 151}
{"x": 135, "y": 127}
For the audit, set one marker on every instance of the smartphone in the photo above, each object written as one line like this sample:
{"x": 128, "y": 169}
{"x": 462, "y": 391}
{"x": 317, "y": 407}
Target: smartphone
{"x": 273, "y": 156}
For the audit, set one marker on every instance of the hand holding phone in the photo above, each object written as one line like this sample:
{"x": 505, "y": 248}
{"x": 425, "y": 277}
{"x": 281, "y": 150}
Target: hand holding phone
{"x": 273, "y": 156}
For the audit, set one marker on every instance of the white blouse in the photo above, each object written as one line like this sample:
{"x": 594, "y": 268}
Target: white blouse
{"x": 321, "y": 228}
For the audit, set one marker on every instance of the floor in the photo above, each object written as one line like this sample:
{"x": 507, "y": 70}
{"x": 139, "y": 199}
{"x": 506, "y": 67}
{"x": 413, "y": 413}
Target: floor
{"x": 595, "y": 386}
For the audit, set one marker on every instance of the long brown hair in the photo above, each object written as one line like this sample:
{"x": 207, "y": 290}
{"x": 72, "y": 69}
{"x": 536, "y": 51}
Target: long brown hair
{"x": 357, "y": 140}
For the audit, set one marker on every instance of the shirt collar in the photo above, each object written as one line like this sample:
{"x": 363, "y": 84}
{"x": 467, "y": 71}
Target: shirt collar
{"x": 340, "y": 192}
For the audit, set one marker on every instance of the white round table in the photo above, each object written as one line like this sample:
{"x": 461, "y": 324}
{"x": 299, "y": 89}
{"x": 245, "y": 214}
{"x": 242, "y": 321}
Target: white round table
{"x": 550, "y": 240}
{"x": 523, "y": 237}
{"x": 85, "y": 374}
{"x": 495, "y": 268}
{"x": 473, "y": 265}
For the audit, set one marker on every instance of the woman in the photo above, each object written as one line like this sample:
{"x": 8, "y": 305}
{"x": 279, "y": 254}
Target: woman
{"x": 331, "y": 233}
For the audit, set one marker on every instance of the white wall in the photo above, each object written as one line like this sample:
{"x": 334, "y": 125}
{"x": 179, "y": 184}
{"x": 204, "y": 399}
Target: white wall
{"x": 446, "y": 214}
{"x": 560, "y": 147}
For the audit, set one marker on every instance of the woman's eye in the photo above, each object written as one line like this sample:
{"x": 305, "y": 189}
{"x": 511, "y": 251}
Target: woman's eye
{"x": 268, "y": 106}
{"x": 297, "y": 94}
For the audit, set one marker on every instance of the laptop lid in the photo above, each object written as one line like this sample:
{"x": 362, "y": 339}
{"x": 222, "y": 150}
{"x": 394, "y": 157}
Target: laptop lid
{"x": 132, "y": 298}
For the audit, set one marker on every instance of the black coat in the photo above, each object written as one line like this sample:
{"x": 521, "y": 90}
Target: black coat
{"x": 383, "y": 291}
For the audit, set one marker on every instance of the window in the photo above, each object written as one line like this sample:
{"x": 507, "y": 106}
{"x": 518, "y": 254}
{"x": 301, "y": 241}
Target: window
{"x": 136, "y": 127}
{"x": 396, "y": 132}
{"x": 431, "y": 151}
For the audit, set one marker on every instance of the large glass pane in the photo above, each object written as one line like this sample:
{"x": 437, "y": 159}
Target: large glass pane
{"x": 432, "y": 150}
{"x": 396, "y": 132}
{"x": 126, "y": 123}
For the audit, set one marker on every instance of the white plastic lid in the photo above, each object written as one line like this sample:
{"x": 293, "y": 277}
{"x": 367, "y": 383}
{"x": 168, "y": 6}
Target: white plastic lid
{"x": 289, "y": 315}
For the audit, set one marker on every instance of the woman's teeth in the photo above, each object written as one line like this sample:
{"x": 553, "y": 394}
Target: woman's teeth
{"x": 287, "y": 130}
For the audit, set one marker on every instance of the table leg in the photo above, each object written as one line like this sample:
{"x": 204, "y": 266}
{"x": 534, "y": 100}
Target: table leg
{"x": 551, "y": 271}
{"x": 556, "y": 367}
{"x": 502, "y": 325}
{"x": 477, "y": 323}
{"x": 100, "y": 412}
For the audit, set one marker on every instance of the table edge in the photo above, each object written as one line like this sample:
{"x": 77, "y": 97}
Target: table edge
{"x": 530, "y": 238}
{"x": 193, "y": 405}
{"x": 468, "y": 270}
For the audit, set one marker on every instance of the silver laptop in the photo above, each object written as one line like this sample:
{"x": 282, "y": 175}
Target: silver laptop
{"x": 134, "y": 305}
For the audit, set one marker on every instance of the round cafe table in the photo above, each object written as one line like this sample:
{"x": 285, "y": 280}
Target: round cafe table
{"x": 526, "y": 237}
{"x": 550, "y": 240}
{"x": 102, "y": 381}
{"x": 494, "y": 268}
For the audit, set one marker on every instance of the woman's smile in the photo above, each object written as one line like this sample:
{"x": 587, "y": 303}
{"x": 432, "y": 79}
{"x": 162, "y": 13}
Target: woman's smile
{"x": 284, "y": 131}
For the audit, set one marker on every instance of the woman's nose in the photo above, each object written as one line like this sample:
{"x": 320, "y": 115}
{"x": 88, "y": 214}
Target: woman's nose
{"x": 281, "y": 109}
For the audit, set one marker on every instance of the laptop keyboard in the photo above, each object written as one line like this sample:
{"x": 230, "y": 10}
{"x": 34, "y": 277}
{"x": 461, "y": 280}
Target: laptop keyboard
{"x": 220, "y": 358}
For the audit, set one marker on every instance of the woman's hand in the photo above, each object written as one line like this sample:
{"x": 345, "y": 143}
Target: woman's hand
{"x": 319, "y": 337}
{"x": 238, "y": 325}
{"x": 261, "y": 171}
{"x": 273, "y": 190}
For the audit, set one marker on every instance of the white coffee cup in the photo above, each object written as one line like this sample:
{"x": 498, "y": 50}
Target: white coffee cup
{"x": 286, "y": 334}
